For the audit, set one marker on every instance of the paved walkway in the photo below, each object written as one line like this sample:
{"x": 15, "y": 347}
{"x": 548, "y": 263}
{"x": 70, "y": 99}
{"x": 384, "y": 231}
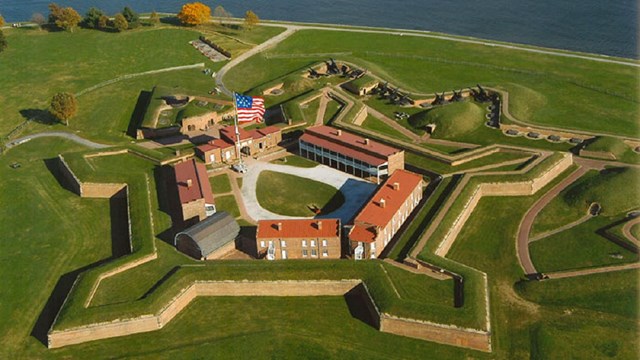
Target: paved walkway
{"x": 355, "y": 190}
{"x": 61, "y": 134}
{"x": 522, "y": 243}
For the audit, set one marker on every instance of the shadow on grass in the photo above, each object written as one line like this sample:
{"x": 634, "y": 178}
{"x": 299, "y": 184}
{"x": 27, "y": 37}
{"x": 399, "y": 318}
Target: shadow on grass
{"x": 39, "y": 116}
{"x": 360, "y": 306}
{"x": 138, "y": 113}
{"x": 168, "y": 201}
{"x": 623, "y": 243}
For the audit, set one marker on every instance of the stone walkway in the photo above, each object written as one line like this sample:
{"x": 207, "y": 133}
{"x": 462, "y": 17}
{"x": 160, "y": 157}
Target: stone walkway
{"x": 355, "y": 190}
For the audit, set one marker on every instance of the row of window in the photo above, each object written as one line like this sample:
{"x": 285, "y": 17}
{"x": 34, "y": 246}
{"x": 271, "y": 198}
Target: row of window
{"x": 314, "y": 253}
{"x": 283, "y": 243}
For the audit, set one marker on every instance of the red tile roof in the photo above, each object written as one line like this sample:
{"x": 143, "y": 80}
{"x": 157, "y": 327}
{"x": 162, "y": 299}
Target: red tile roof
{"x": 200, "y": 187}
{"x": 373, "y": 213}
{"x": 299, "y": 228}
{"x": 363, "y": 234}
{"x": 373, "y": 153}
{"x": 215, "y": 144}
{"x": 230, "y": 133}
{"x": 269, "y": 130}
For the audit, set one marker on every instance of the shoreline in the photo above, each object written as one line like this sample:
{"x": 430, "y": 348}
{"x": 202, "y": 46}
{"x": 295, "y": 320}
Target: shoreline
{"x": 422, "y": 33}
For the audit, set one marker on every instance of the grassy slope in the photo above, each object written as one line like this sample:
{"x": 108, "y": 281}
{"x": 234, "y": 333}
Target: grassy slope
{"x": 566, "y": 86}
{"x": 453, "y": 120}
{"x": 374, "y": 124}
{"x": 275, "y": 189}
{"x": 610, "y": 188}
{"x": 36, "y": 217}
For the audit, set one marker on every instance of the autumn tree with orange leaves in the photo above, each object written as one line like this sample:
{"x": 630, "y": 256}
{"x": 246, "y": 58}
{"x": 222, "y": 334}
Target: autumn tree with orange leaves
{"x": 194, "y": 13}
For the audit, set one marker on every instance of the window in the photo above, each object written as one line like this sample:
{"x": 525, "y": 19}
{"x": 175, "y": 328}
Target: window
{"x": 212, "y": 158}
{"x": 314, "y": 253}
{"x": 304, "y": 243}
{"x": 313, "y": 243}
{"x": 305, "y": 253}
{"x": 283, "y": 243}
{"x": 324, "y": 242}
{"x": 325, "y": 253}
{"x": 262, "y": 244}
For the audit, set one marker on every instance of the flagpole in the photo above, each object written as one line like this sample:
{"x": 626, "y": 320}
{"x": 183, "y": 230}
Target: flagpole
{"x": 235, "y": 105}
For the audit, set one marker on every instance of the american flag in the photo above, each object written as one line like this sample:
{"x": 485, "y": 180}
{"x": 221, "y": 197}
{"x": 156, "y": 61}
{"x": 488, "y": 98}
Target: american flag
{"x": 249, "y": 108}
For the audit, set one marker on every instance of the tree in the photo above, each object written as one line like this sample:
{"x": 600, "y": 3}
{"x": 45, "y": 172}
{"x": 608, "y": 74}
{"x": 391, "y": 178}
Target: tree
{"x": 103, "y": 22}
{"x": 154, "y": 18}
{"x": 63, "y": 18}
{"x": 1, "y": 21}
{"x": 92, "y": 18}
{"x": 130, "y": 15}
{"x": 120, "y": 23}
{"x": 38, "y": 19}
{"x": 3, "y": 41}
{"x": 64, "y": 106}
{"x": 220, "y": 13}
{"x": 251, "y": 19}
{"x": 194, "y": 13}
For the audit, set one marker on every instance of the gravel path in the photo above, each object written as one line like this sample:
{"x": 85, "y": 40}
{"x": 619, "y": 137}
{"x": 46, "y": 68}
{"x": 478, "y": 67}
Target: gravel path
{"x": 355, "y": 190}
{"x": 61, "y": 134}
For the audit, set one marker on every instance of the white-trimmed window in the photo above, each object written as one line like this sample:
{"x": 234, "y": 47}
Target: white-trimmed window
{"x": 304, "y": 243}
{"x": 325, "y": 253}
{"x": 283, "y": 243}
{"x": 262, "y": 244}
{"x": 305, "y": 252}
{"x": 324, "y": 242}
{"x": 313, "y": 243}
{"x": 314, "y": 253}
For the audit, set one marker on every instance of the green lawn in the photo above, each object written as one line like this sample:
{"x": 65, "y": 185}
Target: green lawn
{"x": 310, "y": 111}
{"x": 275, "y": 190}
{"x": 578, "y": 247}
{"x": 220, "y": 184}
{"x": 294, "y": 160}
{"x": 442, "y": 168}
{"x": 617, "y": 147}
{"x": 228, "y": 203}
{"x": 452, "y": 121}
{"x": 332, "y": 109}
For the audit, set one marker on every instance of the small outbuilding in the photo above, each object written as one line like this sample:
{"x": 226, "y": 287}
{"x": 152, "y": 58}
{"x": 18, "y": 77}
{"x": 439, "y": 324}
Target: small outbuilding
{"x": 362, "y": 86}
{"x": 209, "y": 239}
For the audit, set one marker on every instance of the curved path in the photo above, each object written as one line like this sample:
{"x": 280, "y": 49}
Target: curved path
{"x": 522, "y": 243}
{"x": 355, "y": 190}
{"x": 60, "y": 134}
{"x": 626, "y": 230}
{"x": 265, "y": 45}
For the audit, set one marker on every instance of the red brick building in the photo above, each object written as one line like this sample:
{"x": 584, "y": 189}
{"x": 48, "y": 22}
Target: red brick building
{"x": 252, "y": 142}
{"x": 384, "y": 214}
{"x": 350, "y": 153}
{"x": 298, "y": 239}
{"x": 194, "y": 190}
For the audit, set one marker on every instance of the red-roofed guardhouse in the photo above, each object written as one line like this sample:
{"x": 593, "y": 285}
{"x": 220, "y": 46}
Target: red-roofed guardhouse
{"x": 252, "y": 142}
{"x": 298, "y": 239}
{"x": 350, "y": 153}
{"x": 194, "y": 190}
{"x": 379, "y": 220}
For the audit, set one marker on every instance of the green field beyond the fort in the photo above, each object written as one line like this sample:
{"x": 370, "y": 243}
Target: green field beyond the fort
{"x": 56, "y": 244}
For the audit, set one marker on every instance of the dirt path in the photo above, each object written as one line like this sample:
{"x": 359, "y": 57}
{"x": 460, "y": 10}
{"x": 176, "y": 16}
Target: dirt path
{"x": 626, "y": 230}
{"x": 522, "y": 243}
{"x": 322, "y": 108}
{"x": 574, "y": 273}
{"x": 61, "y": 134}
{"x": 560, "y": 229}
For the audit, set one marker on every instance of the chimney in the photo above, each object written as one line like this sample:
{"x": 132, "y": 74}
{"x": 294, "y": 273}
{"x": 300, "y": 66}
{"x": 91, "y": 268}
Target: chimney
{"x": 319, "y": 225}
{"x": 279, "y": 226}
{"x": 366, "y": 141}
{"x": 396, "y": 186}
{"x": 339, "y": 133}
{"x": 189, "y": 183}
{"x": 382, "y": 203}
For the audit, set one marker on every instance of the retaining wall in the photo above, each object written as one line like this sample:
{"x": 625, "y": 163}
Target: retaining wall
{"x": 606, "y": 155}
{"x": 69, "y": 176}
{"x": 445, "y": 334}
{"x": 449, "y": 335}
{"x": 522, "y": 188}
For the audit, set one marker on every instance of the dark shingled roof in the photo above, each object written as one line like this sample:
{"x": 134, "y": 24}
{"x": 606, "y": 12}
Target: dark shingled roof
{"x": 212, "y": 233}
